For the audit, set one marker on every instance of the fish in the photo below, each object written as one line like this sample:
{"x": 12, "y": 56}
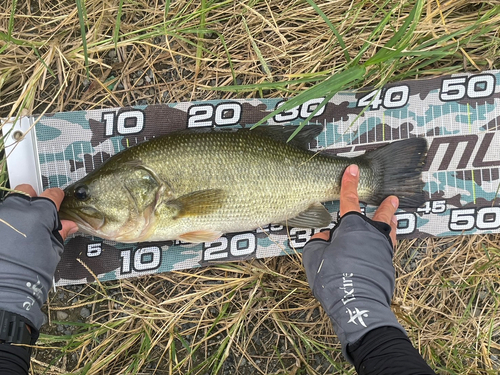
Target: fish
{"x": 195, "y": 185}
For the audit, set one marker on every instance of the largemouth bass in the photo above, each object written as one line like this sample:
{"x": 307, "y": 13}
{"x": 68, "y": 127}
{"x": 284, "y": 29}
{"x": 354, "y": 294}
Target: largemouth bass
{"x": 196, "y": 185}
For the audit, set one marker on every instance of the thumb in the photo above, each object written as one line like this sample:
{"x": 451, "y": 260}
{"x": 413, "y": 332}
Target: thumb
{"x": 68, "y": 228}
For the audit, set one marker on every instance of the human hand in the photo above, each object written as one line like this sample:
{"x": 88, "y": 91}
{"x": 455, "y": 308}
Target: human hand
{"x": 349, "y": 202}
{"x": 32, "y": 244}
{"x": 56, "y": 195}
{"x": 349, "y": 268}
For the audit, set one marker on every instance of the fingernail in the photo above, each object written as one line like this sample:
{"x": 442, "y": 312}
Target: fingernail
{"x": 395, "y": 202}
{"x": 394, "y": 219}
{"x": 353, "y": 170}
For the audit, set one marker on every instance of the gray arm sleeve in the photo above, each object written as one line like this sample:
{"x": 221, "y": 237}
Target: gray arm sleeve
{"x": 352, "y": 275}
{"x": 30, "y": 249}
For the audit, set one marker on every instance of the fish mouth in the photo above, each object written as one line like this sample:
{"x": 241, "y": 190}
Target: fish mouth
{"x": 88, "y": 219}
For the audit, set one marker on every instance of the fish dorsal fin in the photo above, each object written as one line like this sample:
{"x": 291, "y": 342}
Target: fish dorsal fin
{"x": 199, "y": 202}
{"x": 200, "y": 236}
{"x": 316, "y": 216}
{"x": 281, "y": 133}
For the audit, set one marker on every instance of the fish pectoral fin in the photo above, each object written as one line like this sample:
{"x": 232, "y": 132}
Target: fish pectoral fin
{"x": 316, "y": 216}
{"x": 200, "y": 236}
{"x": 198, "y": 203}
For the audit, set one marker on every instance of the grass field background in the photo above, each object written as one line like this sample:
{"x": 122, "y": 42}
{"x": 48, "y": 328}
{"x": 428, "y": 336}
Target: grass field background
{"x": 255, "y": 317}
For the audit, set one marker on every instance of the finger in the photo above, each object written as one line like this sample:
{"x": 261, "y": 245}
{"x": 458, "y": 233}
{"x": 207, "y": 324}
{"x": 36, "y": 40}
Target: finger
{"x": 387, "y": 209}
{"x": 56, "y": 195}
{"x": 394, "y": 227}
{"x": 27, "y": 189}
{"x": 325, "y": 235}
{"x": 385, "y": 213}
{"x": 349, "y": 200}
{"x": 68, "y": 228}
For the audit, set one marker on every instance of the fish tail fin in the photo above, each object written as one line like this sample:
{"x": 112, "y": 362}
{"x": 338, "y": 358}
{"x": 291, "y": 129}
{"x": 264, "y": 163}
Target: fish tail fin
{"x": 399, "y": 167}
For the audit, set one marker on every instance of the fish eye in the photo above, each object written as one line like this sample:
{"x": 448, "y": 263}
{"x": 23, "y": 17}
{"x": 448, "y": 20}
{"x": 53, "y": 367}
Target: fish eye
{"x": 82, "y": 193}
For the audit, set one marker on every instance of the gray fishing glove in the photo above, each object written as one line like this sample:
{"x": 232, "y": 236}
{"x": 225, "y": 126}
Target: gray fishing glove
{"x": 352, "y": 275}
{"x": 30, "y": 249}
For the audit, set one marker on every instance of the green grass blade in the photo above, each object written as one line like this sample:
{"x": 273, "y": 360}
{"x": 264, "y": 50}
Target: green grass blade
{"x": 304, "y": 123}
{"x": 5, "y": 37}
{"x": 165, "y": 17}
{"x": 331, "y": 85}
{"x": 400, "y": 39}
{"x": 167, "y": 9}
{"x": 5, "y": 46}
{"x": 333, "y": 28}
{"x": 37, "y": 53}
{"x": 116, "y": 30}
{"x": 266, "y": 85}
{"x": 258, "y": 52}
{"x": 81, "y": 17}
{"x": 229, "y": 60}
{"x": 375, "y": 33}
{"x": 402, "y": 34}
{"x": 10, "y": 26}
{"x": 201, "y": 35}
{"x": 11, "y": 18}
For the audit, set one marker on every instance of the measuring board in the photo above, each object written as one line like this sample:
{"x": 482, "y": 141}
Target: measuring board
{"x": 459, "y": 116}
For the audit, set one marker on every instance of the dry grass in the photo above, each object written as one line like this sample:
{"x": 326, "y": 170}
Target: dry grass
{"x": 448, "y": 294}
{"x": 258, "y": 316}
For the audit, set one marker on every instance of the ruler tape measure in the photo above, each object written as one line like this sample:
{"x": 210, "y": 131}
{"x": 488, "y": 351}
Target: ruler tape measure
{"x": 459, "y": 116}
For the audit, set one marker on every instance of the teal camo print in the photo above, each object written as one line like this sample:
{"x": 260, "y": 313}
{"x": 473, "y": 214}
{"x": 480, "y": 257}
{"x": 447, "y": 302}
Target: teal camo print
{"x": 459, "y": 116}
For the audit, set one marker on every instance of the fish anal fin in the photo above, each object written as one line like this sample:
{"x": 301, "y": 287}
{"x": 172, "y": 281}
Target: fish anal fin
{"x": 198, "y": 203}
{"x": 316, "y": 216}
{"x": 200, "y": 236}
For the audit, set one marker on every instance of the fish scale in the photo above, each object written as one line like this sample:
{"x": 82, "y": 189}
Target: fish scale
{"x": 197, "y": 185}
{"x": 274, "y": 184}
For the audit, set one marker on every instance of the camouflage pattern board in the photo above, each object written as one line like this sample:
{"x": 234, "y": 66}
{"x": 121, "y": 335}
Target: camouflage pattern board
{"x": 459, "y": 115}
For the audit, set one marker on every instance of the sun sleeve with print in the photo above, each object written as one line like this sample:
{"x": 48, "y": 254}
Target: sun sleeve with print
{"x": 30, "y": 249}
{"x": 352, "y": 275}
